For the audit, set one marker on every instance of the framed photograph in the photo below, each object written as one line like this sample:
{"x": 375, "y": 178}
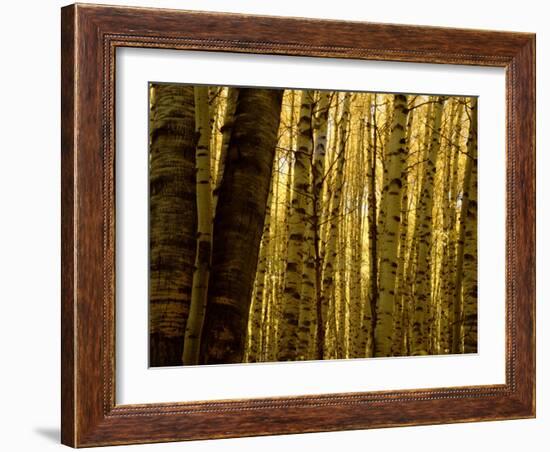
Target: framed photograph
{"x": 281, "y": 225}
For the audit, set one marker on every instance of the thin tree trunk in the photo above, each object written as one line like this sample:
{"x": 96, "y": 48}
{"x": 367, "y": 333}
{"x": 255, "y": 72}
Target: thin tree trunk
{"x": 465, "y": 300}
{"x": 396, "y": 154}
{"x": 308, "y": 287}
{"x": 424, "y": 289}
{"x": 450, "y": 206}
{"x": 400, "y": 310}
{"x": 319, "y": 156}
{"x": 373, "y": 233}
{"x": 301, "y": 190}
{"x": 201, "y": 274}
{"x": 357, "y": 305}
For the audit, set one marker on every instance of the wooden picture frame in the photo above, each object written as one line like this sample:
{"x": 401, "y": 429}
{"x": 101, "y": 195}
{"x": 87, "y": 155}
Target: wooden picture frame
{"x": 90, "y": 36}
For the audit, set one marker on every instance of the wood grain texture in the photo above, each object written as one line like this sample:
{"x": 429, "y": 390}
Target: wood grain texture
{"x": 67, "y": 224}
{"x": 90, "y": 36}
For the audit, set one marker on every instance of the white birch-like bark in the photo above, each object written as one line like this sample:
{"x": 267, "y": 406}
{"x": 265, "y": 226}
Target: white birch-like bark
{"x": 297, "y": 230}
{"x": 193, "y": 329}
{"x": 424, "y": 274}
{"x": 390, "y": 207}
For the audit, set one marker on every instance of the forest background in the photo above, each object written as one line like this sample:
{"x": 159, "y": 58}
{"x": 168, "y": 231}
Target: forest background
{"x": 293, "y": 225}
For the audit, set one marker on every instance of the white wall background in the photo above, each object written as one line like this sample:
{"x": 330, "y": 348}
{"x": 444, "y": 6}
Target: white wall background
{"x": 30, "y": 228}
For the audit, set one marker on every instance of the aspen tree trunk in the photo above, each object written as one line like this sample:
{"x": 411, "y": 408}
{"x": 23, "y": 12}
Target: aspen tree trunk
{"x": 465, "y": 307}
{"x": 411, "y": 283}
{"x": 332, "y": 252}
{"x": 411, "y": 278}
{"x": 201, "y": 273}
{"x": 297, "y": 229}
{"x": 439, "y": 245}
{"x": 239, "y": 223}
{"x": 283, "y": 227}
{"x": 357, "y": 306}
{"x": 441, "y": 337}
{"x": 307, "y": 297}
{"x": 281, "y": 335}
{"x": 373, "y": 234}
{"x": 319, "y": 156}
{"x": 342, "y": 278}
{"x": 446, "y": 209}
{"x": 172, "y": 213}
{"x": 382, "y": 132}
{"x": 309, "y": 290}
{"x": 390, "y": 204}
{"x": 449, "y": 265}
{"x": 330, "y": 175}
{"x": 399, "y": 309}
{"x": 423, "y": 292}
{"x": 470, "y": 245}
{"x": 366, "y": 316}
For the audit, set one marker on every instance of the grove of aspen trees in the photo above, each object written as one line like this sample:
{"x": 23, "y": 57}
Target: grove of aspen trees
{"x": 289, "y": 225}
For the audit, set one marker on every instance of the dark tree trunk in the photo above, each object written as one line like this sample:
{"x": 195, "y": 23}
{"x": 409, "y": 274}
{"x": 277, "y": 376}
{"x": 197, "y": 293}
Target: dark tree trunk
{"x": 239, "y": 223}
{"x": 172, "y": 221}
